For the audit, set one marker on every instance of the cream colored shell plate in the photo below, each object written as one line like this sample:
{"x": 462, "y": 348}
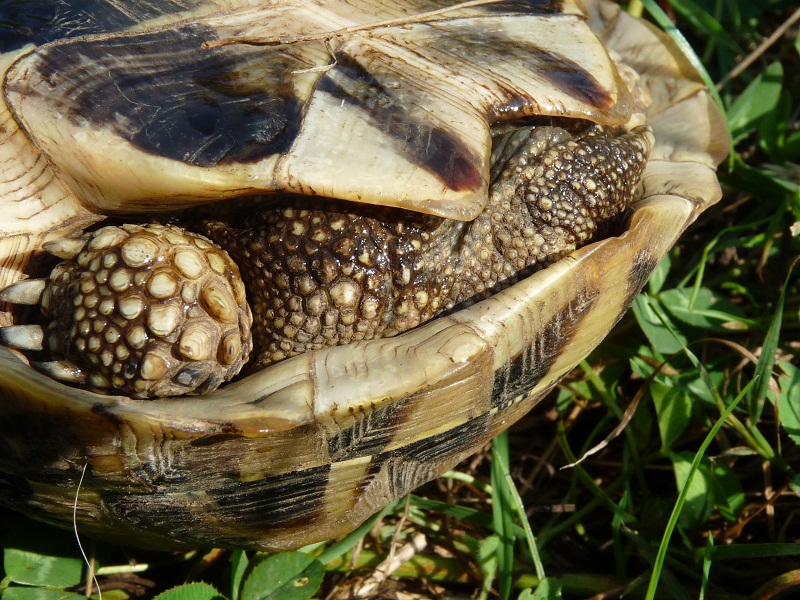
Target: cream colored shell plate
{"x": 373, "y": 100}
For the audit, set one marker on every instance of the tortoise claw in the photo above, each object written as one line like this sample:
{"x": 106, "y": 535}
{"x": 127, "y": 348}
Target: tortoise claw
{"x": 28, "y": 291}
{"x": 62, "y": 370}
{"x": 22, "y": 337}
{"x": 65, "y": 248}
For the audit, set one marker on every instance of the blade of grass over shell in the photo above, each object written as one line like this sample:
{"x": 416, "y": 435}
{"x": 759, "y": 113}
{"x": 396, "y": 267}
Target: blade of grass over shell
{"x": 706, "y": 23}
{"x": 669, "y": 27}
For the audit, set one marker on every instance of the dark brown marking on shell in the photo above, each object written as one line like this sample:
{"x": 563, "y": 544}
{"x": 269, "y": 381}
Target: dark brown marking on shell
{"x": 570, "y": 77}
{"x": 16, "y": 492}
{"x": 171, "y": 511}
{"x": 426, "y": 144}
{"x": 563, "y": 73}
{"x": 370, "y": 433}
{"x": 643, "y": 266}
{"x": 214, "y": 439}
{"x": 418, "y": 462}
{"x": 41, "y": 21}
{"x": 102, "y": 409}
{"x": 218, "y": 106}
{"x": 29, "y": 448}
{"x": 524, "y": 6}
{"x": 295, "y": 497}
{"x": 501, "y": 7}
{"x": 520, "y": 375}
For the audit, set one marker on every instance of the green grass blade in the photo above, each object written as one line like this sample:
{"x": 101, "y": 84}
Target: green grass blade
{"x": 666, "y": 24}
{"x": 519, "y": 508}
{"x": 502, "y": 516}
{"x": 707, "y": 559}
{"x": 766, "y": 362}
{"x": 676, "y": 511}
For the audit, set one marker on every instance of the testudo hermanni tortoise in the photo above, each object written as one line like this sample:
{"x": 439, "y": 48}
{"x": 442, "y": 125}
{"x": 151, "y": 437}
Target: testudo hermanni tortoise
{"x": 429, "y": 212}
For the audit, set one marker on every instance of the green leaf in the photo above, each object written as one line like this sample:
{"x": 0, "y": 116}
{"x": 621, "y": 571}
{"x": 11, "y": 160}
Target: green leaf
{"x": 658, "y": 334}
{"x": 701, "y": 308}
{"x": 699, "y": 501}
{"x": 659, "y": 275}
{"x": 773, "y": 128}
{"x": 548, "y": 589}
{"x": 756, "y": 101}
{"x": 728, "y": 493}
{"x": 239, "y": 564}
{"x": 284, "y": 576}
{"x": 486, "y": 556}
{"x": 37, "y": 593}
{"x": 789, "y": 400}
{"x": 39, "y": 555}
{"x": 191, "y": 591}
{"x": 713, "y": 486}
{"x": 37, "y": 569}
{"x": 674, "y": 410}
{"x": 702, "y": 397}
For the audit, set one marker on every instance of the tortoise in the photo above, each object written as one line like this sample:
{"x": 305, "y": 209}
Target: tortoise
{"x": 437, "y": 209}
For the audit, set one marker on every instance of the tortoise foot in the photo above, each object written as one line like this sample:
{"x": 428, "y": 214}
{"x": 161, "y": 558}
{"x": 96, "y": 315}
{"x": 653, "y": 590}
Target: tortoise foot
{"x": 142, "y": 310}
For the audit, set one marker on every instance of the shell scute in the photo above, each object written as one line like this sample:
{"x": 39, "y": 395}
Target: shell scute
{"x": 41, "y": 21}
{"x": 204, "y": 121}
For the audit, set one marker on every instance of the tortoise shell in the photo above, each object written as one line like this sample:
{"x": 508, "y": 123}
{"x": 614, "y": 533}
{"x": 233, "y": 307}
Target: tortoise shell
{"x": 387, "y": 103}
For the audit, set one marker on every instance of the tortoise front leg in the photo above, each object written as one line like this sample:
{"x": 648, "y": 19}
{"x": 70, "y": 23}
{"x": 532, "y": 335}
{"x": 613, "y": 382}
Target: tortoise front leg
{"x": 328, "y": 273}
